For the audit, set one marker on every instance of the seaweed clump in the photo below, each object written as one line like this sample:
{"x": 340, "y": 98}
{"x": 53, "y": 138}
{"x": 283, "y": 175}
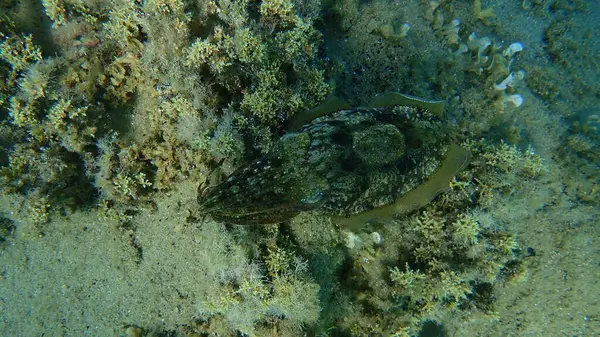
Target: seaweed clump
{"x": 274, "y": 294}
{"x": 444, "y": 261}
{"x": 125, "y": 99}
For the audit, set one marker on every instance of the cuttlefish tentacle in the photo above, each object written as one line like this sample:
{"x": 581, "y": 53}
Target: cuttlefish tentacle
{"x": 395, "y": 98}
{"x": 455, "y": 160}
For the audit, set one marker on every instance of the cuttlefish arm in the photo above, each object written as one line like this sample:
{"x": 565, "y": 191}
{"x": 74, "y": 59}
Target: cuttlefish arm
{"x": 329, "y": 105}
{"x": 455, "y": 160}
{"x": 395, "y": 98}
{"x": 388, "y": 99}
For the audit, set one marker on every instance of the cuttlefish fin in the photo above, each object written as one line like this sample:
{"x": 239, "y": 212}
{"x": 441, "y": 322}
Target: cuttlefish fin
{"x": 455, "y": 160}
{"x": 330, "y": 104}
{"x": 394, "y": 98}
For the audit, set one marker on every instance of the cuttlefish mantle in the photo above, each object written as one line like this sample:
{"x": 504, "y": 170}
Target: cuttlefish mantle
{"x": 355, "y": 164}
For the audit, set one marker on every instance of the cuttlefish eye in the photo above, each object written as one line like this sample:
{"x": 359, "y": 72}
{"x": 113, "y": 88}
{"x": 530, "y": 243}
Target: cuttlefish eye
{"x": 379, "y": 144}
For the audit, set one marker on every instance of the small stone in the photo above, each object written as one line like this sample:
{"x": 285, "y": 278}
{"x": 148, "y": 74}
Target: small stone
{"x": 133, "y": 331}
{"x": 376, "y": 237}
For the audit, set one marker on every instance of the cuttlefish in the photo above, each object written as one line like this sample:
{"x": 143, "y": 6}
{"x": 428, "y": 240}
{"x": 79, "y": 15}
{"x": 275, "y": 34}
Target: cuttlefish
{"x": 355, "y": 164}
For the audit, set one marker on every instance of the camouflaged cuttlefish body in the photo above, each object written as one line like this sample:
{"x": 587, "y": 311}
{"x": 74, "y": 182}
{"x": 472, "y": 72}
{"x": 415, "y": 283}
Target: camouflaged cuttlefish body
{"x": 362, "y": 163}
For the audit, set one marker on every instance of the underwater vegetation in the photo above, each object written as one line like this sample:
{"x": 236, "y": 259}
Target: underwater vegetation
{"x": 374, "y": 214}
{"x": 141, "y": 95}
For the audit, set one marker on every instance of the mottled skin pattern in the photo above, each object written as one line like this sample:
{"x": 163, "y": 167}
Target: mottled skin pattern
{"x": 341, "y": 164}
